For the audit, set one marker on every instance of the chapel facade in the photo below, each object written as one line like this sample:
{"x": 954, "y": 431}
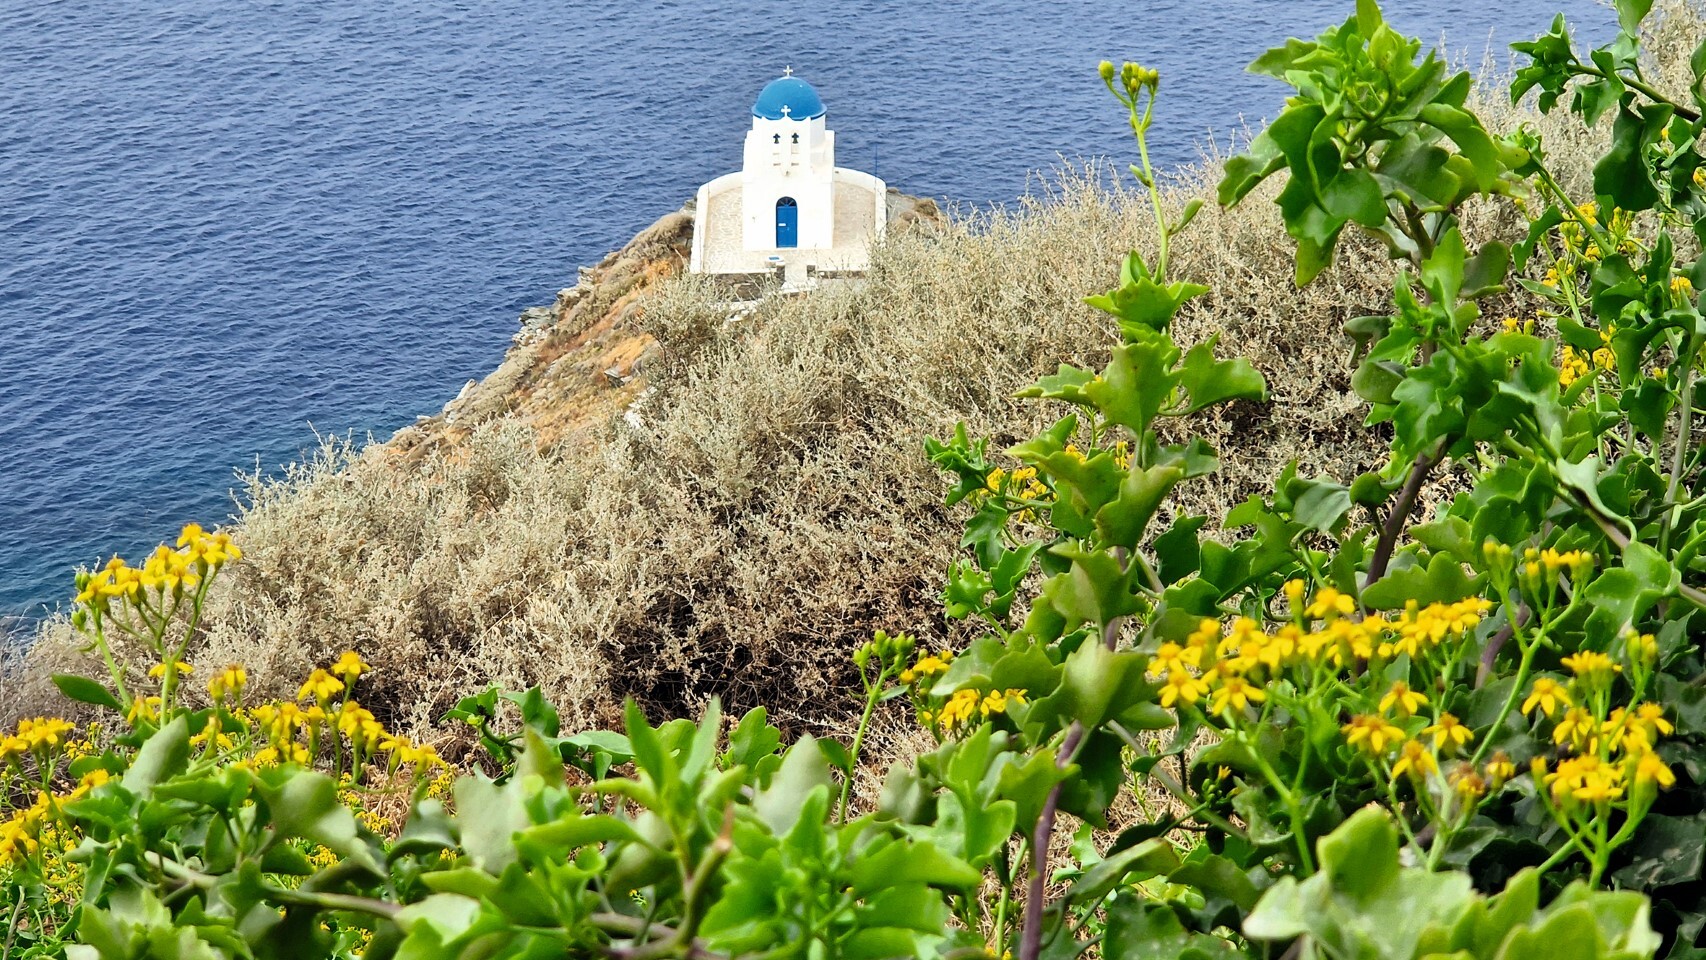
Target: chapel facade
{"x": 789, "y": 208}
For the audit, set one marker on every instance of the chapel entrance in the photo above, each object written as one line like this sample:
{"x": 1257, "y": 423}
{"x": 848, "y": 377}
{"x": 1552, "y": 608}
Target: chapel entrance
{"x": 787, "y": 223}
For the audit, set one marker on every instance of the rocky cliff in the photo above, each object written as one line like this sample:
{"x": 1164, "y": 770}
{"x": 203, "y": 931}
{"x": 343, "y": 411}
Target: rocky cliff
{"x": 581, "y": 360}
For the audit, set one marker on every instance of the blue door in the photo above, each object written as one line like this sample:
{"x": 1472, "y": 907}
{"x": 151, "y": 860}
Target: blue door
{"x": 787, "y": 223}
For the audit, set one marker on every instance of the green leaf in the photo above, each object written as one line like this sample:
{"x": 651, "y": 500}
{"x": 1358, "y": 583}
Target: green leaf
{"x": 1441, "y": 581}
{"x": 649, "y": 753}
{"x": 1283, "y": 912}
{"x": 1668, "y": 850}
{"x": 1259, "y": 161}
{"x": 1123, "y": 521}
{"x": 1135, "y": 384}
{"x": 1066, "y": 384}
{"x": 429, "y": 830}
{"x": 1354, "y": 195}
{"x": 306, "y": 805}
{"x": 1140, "y": 929}
{"x": 489, "y": 816}
{"x": 1097, "y": 684}
{"x": 85, "y": 690}
{"x": 1472, "y": 142}
{"x": 1622, "y": 174}
{"x": 162, "y": 756}
{"x": 1093, "y": 590}
{"x": 1319, "y": 504}
{"x": 804, "y": 769}
{"x": 1208, "y": 381}
{"x": 1140, "y": 862}
{"x": 1630, "y": 13}
{"x": 906, "y": 862}
{"x": 1178, "y": 551}
{"x": 1360, "y": 859}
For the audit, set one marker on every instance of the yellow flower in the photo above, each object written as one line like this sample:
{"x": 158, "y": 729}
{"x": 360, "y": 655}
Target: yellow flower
{"x": 959, "y": 709}
{"x": 1591, "y": 667}
{"x": 1499, "y": 768}
{"x": 159, "y": 670}
{"x": 1373, "y": 733}
{"x": 1650, "y": 769}
{"x": 320, "y": 686}
{"x": 1206, "y": 635}
{"x": 207, "y": 549}
{"x": 1651, "y": 717}
{"x": 227, "y": 682}
{"x": 1546, "y": 694}
{"x": 1414, "y": 759}
{"x": 143, "y": 708}
{"x": 1405, "y": 700}
{"x": 350, "y": 666}
{"x": 1174, "y": 658}
{"x": 1449, "y": 733}
{"x": 1294, "y": 594}
{"x": 1181, "y": 687}
{"x": 1681, "y": 286}
{"x": 1330, "y": 603}
{"x": 1235, "y": 693}
{"x": 1468, "y": 784}
{"x": 996, "y": 701}
{"x": 927, "y": 666}
{"x": 1586, "y": 779}
{"x": 1576, "y": 727}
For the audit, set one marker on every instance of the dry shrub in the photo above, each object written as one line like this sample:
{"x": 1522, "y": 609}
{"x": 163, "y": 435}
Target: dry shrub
{"x": 768, "y": 503}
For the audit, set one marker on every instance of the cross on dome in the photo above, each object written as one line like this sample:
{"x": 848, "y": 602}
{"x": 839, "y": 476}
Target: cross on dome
{"x": 786, "y": 110}
{"x": 788, "y": 71}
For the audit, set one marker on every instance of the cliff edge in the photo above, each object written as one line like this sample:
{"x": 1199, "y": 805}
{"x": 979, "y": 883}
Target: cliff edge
{"x": 580, "y": 361}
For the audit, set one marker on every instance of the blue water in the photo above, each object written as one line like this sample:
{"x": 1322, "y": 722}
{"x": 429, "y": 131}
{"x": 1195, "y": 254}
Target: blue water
{"x": 225, "y": 226}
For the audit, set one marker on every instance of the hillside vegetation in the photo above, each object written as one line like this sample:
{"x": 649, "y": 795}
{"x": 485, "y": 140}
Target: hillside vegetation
{"x": 766, "y": 504}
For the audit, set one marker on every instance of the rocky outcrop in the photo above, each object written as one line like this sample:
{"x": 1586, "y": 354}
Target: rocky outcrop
{"x": 575, "y": 363}
{"x": 578, "y": 363}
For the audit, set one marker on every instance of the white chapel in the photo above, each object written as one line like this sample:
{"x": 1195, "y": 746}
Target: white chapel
{"x": 790, "y": 209}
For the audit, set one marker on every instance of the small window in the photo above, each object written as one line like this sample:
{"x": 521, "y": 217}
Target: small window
{"x": 796, "y": 138}
{"x": 776, "y": 139}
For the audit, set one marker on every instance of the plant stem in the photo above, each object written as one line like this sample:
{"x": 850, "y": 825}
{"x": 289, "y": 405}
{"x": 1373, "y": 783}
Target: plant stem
{"x": 1639, "y": 86}
{"x": 1528, "y": 652}
{"x": 1679, "y": 456}
{"x": 1497, "y": 642}
{"x": 1398, "y": 517}
{"x": 12, "y": 925}
{"x": 872, "y": 695}
{"x": 1031, "y": 939}
{"x": 1293, "y": 810}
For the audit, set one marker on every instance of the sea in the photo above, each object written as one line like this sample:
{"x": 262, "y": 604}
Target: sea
{"x": 230, "y": 229}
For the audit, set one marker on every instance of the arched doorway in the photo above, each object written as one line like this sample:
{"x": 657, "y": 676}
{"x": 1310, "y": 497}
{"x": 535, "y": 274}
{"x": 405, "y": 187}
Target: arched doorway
{"x": 787, "y": 223}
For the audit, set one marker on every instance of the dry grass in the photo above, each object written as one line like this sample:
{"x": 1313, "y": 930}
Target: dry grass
{"x": 775, "y": 506}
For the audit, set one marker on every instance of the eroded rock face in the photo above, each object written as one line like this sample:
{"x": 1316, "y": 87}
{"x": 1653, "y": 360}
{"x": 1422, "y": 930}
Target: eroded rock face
{"x": 578, "y": 362}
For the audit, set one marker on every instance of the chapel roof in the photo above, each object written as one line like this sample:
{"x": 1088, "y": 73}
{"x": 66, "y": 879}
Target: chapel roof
{"x": 801, "y": 101}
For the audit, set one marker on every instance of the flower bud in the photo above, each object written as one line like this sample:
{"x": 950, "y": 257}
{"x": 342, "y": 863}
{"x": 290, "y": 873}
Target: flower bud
{"x": 1106, "y": 69}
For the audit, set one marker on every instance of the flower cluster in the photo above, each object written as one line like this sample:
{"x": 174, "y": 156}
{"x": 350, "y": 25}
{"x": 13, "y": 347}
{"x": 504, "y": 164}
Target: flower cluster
{"x": 1605, "y": 750}
{"x": 1230, "y": 664}
{"x": 961, "y": 711}
{"x": 325, "y": 719}
{"x": 42, "y": 737}
{"x": 166, "y": 571}
{"x": 21, "y": 834}
{"x": 969, "y": 707}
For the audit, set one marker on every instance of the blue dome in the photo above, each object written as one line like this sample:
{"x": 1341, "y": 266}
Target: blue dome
{"x": 802, "y": 101}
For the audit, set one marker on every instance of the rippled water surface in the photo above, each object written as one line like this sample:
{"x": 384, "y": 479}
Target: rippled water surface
{"x": 225, "y": 226}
